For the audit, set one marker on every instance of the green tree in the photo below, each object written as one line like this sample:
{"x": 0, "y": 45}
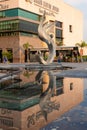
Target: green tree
{"x": 7, "y": 54}
{"x": 27, "y": 47}
{"x": 81, "y": 45}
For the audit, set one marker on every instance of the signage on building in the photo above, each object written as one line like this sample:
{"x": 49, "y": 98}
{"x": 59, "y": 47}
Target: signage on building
{"x": 47, "y": 12}
{"x": 34, "y": 117}
{"x": 44, "y": 4}
{"x": 3, "y": 0}
{"x": 2, "y": 6}
{"x": 5, "y": 119}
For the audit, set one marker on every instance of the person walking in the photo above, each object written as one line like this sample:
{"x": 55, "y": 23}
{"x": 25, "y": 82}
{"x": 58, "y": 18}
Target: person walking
{"x": 5, "y": 60}
{"x": 60, "y": 57}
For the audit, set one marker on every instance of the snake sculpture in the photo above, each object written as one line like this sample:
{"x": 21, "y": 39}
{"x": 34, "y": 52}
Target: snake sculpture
{"x": 47, "y": 37}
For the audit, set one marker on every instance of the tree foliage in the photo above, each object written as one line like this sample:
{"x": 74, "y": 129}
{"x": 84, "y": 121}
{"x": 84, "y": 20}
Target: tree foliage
{"x": 26, "y": 46}
{"x": 82, "y": 44}
{"x": 7, "y": 54}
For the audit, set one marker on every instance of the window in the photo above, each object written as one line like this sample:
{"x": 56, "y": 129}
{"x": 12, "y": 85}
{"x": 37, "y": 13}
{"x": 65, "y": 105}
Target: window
{"x": 2, "y": 14}
{"x": 59, "y": 24}
{"x": 25, "y": 26}
{"x": 19, "y": 12}
{"x": 71, "y": 86}
{"x": 70, "y": 28}
{"x": 9, "y": 25}
{"x": 59, "y": 33}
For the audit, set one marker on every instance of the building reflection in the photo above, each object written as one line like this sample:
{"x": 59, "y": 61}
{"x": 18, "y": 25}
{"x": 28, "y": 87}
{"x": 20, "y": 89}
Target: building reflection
{"x": 33, "y": 99}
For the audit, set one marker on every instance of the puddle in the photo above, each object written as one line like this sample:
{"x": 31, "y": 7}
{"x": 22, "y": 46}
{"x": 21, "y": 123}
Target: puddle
{"x": 39, "y": 100}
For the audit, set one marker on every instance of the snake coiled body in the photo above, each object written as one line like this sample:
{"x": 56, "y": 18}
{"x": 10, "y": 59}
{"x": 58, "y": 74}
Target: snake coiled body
{"x": 45, "y": 36}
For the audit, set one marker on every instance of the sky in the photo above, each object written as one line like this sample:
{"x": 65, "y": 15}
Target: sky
{"x": 81, "y": 5}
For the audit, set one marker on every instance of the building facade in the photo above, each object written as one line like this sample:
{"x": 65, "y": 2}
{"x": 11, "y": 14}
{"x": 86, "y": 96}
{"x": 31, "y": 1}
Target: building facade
{"x": 19, "y": 22}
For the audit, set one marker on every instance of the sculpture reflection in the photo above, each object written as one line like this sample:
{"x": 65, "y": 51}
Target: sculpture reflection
{"x": 47, "y": 80}
{"x": 35, "y": 99}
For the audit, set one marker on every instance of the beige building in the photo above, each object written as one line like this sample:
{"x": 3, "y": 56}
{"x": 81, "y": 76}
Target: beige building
{"x": 19, "y": 22}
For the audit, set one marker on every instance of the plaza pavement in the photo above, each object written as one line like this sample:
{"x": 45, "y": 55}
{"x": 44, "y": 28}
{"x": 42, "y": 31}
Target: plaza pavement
{"x": 78, "y": 70}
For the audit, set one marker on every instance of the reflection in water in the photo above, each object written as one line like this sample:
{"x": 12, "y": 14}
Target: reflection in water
{"x": 47, "y": 81}
{"x": 31, "y": 102}
{"x": 71, "y": 111}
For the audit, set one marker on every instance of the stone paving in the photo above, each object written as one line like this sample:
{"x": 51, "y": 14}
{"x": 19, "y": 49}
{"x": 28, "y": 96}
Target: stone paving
{"x": 78, "y": 69}
{"x": 66, "y": 64}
